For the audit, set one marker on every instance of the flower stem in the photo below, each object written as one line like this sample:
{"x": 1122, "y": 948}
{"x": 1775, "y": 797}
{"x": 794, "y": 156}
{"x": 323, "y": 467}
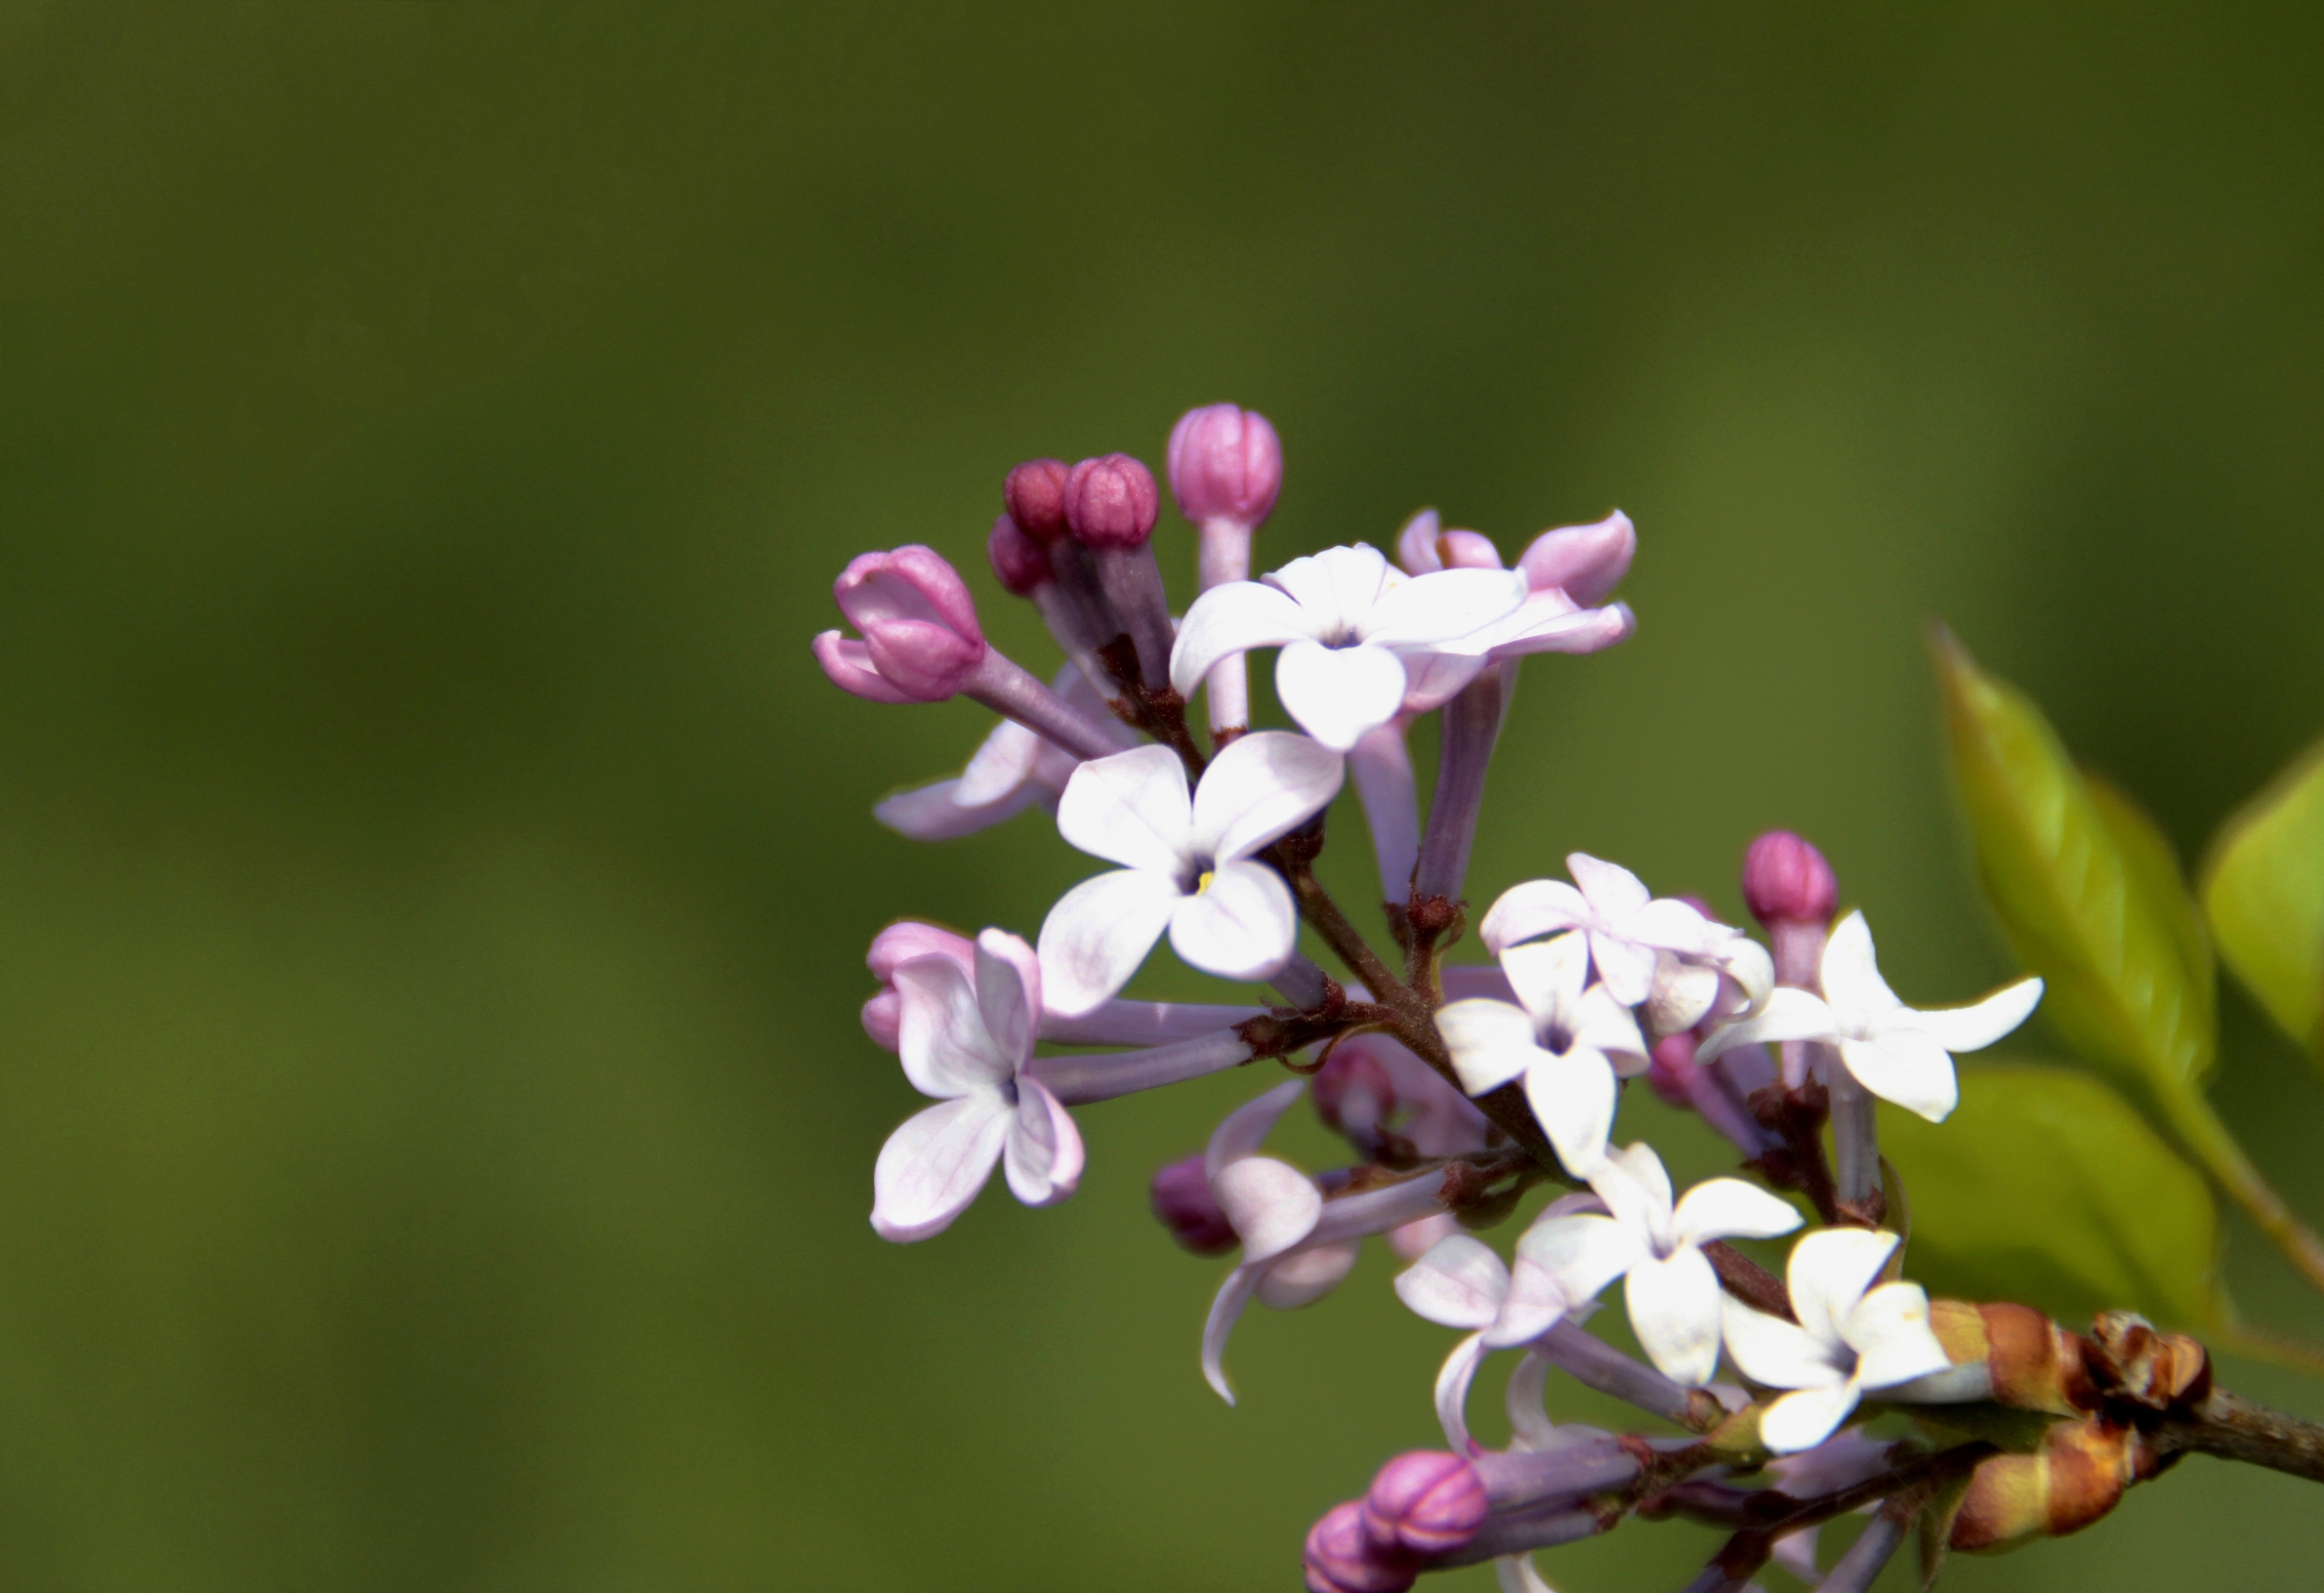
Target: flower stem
{"x": 2210, "y": 1138}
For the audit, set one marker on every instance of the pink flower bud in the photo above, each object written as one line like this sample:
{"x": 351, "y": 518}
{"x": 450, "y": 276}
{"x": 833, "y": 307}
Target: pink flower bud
{"x": 1184, "y": 1204}
{"x": 1342, "y": 1558}
{"x": 1225, "y": 464}
{"x": 884, "y": 1019}
{"x": 1786, "y": 880}
{"x": 1672, "y": 1071}
{"x": 1426, "y": 1501}
{"x": 919, "y": 626}
{"x": 1584, "y": 561}
{"x": 1353, "y": 1092}
{"x": 1035, "y": 497}
{"x": 905, "y": 939}
{"x": 1110, "y": 502}
{"x": 1022, "y": 564}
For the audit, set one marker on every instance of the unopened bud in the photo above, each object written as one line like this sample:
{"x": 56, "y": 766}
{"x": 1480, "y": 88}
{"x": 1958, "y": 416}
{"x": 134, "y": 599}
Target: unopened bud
{"x": 1352, "y": 1091}
{"x": 1584, "y": 561}
{"x": 1185, "y": 1205}
{"x": 2135, "y": 1361}
{"x": 2075, "y": 1477}
{"x": 1035, "y": 497}
{"x": 1225, "y": 463}
{"x": 1786, "y": 881}
{"x": 1022, "y": 564}
{"x": 1111, "y": 501}
{"x": 2031, "y": 1364}
{"x": 1428, "y": 1501}
{"x": 1342, "y": 1558}
{"x": 920, "y": 641}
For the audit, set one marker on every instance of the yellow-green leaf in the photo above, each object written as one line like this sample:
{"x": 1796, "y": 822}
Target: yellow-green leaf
{"x": 2085, "y": 888}
{"x": 2264, "y": 894}
{"x": 2045, "y": 1186}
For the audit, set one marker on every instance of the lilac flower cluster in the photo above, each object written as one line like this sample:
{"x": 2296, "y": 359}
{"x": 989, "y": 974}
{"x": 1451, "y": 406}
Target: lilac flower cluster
{"x": 1458, "y": 1089}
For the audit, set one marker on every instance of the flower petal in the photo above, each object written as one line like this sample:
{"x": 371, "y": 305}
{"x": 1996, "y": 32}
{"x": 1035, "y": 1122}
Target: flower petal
{"x": 1849, "y": 973}
{"x": 1516, "y": 1575}
{"x": 1244, "y": 1129}
{"x": 1612, "y": 890}
{"x": 1452, "y": 1394}
{"x": 1603, "y": 1023}
{"x": 940, "y": 1034}
{"x": 1591, "y": 630}
{"x": 1537, "y": 1302}
{"x": 1978, "y": 1026}
{"x": 933, "y": 1164}
{"x": 1230, "y": 618}
{"x": 1459, "y": 1283}
{"x": 1538, "y": 906}
{"x": 1890, "y": 1335}
{"x": 1444, "y": 605}
{"x": 1272, "y": 1204}
{"x": 1009, "y": 994}
{"x": 1547, "y": 977}
{"x": 1098, "y": 934}
{"x": 1304, "y": 1277}
{"x": 1908, "y": 1068}
{"x": 1262, "y": 785}
{"x": 1674, "y": 1308}
{"x": 1722, "y": 1209}
{"x": 1789, "y": 1015}
{"x": 1582, "y": 1253}
{"x": 1241, "y": 926}
{"x": 1000, "y": 764}
{"x": 1573, "y": 1097}
{"x": 1433, "y": 679}
{"x": 1226, "y": 1309}
{"x": 1636, "y": 1189}
{"x": 1132, "y": 808}
{"x": 1043, "y": 1156}
{"x": 1491, "y": 1042}
{"x": 939, "y": 812}
{"x": 1828, "y": 1274}
{"x": 1804, "y": 1419}
{"x": 1626, "y": 967}
{"x": 1338, "y": 693}
{"x": 1530, "y": 1426}
{"x": 1772, "y": 1352}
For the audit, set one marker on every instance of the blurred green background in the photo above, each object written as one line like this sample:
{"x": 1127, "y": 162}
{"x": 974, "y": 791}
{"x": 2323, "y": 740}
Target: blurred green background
{"x": 435, "y": 1132}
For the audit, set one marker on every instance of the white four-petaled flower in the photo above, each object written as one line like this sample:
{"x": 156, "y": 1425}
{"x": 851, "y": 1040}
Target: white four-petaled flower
{"x": 1566, "y": 1038}
{"x": 1897, "y": 1052}
{"x": 966, "y": 1044}
{"x": 1851, "y": 1337}
{"x": 1186, "y": 862}
{"x": 1347, "y": 620}
{"x": 1626, "y": 924}
{"x": 1656, "y": 1248}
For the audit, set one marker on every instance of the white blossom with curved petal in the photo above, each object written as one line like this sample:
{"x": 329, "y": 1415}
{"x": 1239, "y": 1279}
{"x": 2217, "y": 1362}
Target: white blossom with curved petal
{"x": 1012, "y": 770}
{"x": 1187, "y": 865}
{"x": 967, "y": 1041}
{"x": 1628, "y": 926}
{"x": 1851, "y": 1338}
{"x": 1668, "y": 1283}
{"x": 1347, "y": 621}
{"x": 1898, "y": 1053}
{"x": 1568, "y": 1039}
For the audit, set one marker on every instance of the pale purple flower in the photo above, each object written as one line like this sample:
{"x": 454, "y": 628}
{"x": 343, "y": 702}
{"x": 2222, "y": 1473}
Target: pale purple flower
{"x": 1013, "y": 769}
{"x": 967, "y": 1041}
{"x": 1188, "y": 862}
{"x": 1627, "y": 925}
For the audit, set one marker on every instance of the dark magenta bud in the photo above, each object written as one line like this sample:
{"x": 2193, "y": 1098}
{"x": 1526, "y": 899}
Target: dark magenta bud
{"x": 1426, "y": 1501}
{"x": 1786, "y": 881}
{"x": 1022, "y": 564}
{"x": 1184, "y": 1204}
{"x": 1342, "y": 1558}
{"x": 1112, "y": 502}
{"x": 1353, "y": 1092}
{"x": 1035, "y": 497}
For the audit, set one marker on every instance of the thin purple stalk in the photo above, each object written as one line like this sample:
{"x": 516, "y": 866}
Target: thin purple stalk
{"x": 1382, "y": 765}
{"x": 1472, "y": 723}
{"x": 1597, "y": 1364}
{"x": 1146, "y": 1022}
{"x": 1075, "y": 1080}
{"x": 1008, "y": 689}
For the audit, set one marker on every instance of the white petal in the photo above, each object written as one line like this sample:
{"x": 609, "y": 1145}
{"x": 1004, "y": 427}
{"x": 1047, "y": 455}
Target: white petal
{"x": 1226, "y": 1309}
{"x": 1491, "y": 1042}
{"x": 1132, "y": 808}
{"x": 1978, "y": 1026}
{"x": 1547, "y": 977}
{"x": 940, "y": 1033}
{"x": 1890, "y": 1335}
{"x": 1573, "y": 1097}
{"x": 1803, "y": 1420}
{"x": 1416, "y": 543}
{"x": 1043, "y": 1156}
{"x": 1626, "y": 967}
{"x": 1443, "y": 607}
{"x": 1000, "y": 766}
{"x": 938, "y": 813}
{"x": 1338, "y": 693}
{"x": 1240, "y": 926}
{"x": 1009, "y": 994}
{"x": 1671, "y": 925}
{"x": 1636, "y": 1189}
{"x": 1538, "y": 906}
{"x": 1908, "y": 1068}
{"x": 1434, "y": 679}
{"x": 1227, "y": 619}
{"x": 1098, "y": 934}
{"x": 1587, "y": 631}
{"x": 1259, "y": 787}
{"x": 1452, "y": 1392}
{"x": 1272, "y": 1204}
{"x": 1772, "y": 1352}
{"x": 1336, "y": 586}
{"x": 1612, "y": 890}
{"x": 1683, "y": 995}
{"x": 933, "y": 1164}
{"x": 1530, "y": 1426}
{"x": 1850, "y": 974}
{"x": 1828, "y": 1274}
{"x": 1748, "y": 963}
{"x": 1789, "y": 1014}
{"x": 1459, "y": 1283}
{"x": 1538, "y": 1300}
{"x": 1515, "y": 1574}
{"x": 1722, "y": 1208}
{"x": 1674, "y": 1308}
{"x": 1603, "y": 1023}
{"x": 1244, "y": 1129}
{"x": 1304, "y": 1277}
{"x": 1583, "y": 1253}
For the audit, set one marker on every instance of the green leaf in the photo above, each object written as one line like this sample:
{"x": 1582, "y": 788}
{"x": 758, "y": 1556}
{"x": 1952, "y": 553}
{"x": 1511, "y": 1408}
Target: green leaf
{"x": 2048, "y": 1189}
{"x": 2264, "y": 894}
{"x": 2087, "y": 890}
